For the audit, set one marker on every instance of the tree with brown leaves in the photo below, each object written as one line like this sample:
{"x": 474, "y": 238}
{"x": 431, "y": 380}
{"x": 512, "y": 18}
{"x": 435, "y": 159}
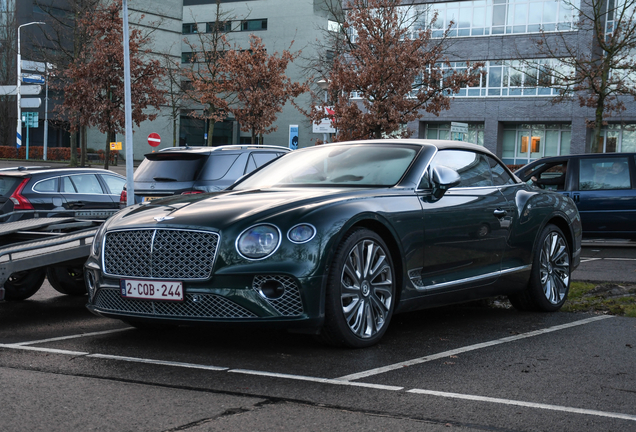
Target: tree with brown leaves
{"x": 95, "y": 80}
{"x": 206, "y": 71}
{"x": 385, "y": 57}
{"x": 599, "y": 73}
{"x": 258, "y": 82}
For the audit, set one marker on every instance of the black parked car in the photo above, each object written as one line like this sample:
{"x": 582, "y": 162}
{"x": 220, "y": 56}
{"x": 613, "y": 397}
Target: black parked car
{"x": 337, "y": 238}
{"x": 191, "y": 170}
{"x": 54, "y": 191}
{"x": 602, "y": 185}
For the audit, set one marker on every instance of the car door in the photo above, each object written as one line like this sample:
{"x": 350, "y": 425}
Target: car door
{"x": 45, "y": 195}
{"x": 465, "y": 231}
{"x": 85, "y": 191}
{"x": 605, "y": 196}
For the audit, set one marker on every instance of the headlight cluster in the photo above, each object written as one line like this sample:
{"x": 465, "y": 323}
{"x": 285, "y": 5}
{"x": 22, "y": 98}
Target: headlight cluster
{"x": 260, "y": 241}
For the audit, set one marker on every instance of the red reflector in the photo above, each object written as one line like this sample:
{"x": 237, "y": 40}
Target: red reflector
{"x": 191, "y": 192}
{"x": 20, "y": 202}
{"x": 123, "y": 197}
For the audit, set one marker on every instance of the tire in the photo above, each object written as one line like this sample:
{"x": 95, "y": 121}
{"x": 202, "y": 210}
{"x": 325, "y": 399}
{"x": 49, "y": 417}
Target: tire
{"x": 360, "y": 293}
{"x": 550, "y": 275}
{"x": 22, "y": 285}
{"x": 67, "y": 280}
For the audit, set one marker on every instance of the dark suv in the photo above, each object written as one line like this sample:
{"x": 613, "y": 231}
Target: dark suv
{"x": 603, "y": 186}
{"x": 187, "y": 170}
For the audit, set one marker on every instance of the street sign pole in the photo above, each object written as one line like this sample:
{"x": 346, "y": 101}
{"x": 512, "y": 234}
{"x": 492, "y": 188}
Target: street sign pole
{"x": 46, "y": 112}
{"x": 130, "y": 184}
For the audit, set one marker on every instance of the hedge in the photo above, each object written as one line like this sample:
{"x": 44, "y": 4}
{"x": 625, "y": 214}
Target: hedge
{"x": 53, "y": 153}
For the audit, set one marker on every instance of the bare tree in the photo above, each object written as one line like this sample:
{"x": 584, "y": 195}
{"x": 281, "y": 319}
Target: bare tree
{"x": 382, "y": 52}
{"x": 64, "y": 44}
{"x": 176, "y": 92}
{"x": 95, "y": 81}
{"x": 205, "y": 71}
{"x": 261, "y": 88}
{"x": 598, "y": 67}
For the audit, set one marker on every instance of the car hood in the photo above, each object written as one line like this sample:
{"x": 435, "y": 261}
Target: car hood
{"x": 221, "y": 209}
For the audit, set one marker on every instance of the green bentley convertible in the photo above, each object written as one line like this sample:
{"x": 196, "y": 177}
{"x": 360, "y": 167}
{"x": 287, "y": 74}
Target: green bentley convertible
{"x": 334, "y": 240}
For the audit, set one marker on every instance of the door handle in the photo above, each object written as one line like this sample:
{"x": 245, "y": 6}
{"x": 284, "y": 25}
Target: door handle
{"x": 500, "y": 213}
{"x": 78, "y": 204}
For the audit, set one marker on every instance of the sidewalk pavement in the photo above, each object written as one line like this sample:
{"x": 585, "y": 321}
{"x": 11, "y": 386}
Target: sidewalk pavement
{"x": 120, "y": 168}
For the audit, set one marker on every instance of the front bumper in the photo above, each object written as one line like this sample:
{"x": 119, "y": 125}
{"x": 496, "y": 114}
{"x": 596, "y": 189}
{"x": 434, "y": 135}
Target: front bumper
{"x": 238, "y": 298}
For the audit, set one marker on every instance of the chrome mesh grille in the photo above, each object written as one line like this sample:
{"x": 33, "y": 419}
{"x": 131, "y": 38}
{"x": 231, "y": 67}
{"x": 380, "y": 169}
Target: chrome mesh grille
{"x": 160, "y": 253}
{"x": 193, "y": 306}
{"x": 290, "y": 303}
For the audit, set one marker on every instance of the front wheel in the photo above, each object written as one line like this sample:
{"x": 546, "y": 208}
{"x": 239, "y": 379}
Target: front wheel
{"x": 22, "y": 285}
{"x": 360, "y": 291}
{"x": 550, "y": 278}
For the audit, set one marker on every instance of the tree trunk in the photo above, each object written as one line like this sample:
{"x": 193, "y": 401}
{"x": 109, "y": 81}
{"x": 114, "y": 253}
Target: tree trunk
{"x": 596, "y": 146}
{"x": 174, "y": 130}
{"x": 83, "y": 145}
{"x": 109, "y": 137}
{"x": 210, "y": 132}
{"x": 73, "y": 161}
{"x": 253, "y": 136}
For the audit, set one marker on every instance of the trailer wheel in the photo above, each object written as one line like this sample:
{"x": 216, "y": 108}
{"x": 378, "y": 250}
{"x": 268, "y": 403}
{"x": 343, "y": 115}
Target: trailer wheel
{"x": 22, "y": 285}
{"x": 67, "y": 280}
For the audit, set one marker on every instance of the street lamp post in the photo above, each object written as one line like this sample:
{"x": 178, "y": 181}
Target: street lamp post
{"x": 18, "y": 96}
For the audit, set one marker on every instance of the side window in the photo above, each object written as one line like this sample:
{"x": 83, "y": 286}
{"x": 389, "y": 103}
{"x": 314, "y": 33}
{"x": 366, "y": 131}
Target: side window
{"x": 251, "y": 164}
{"x": 473, "y": 168}
{"x": 604, "y": 174}
{"x": 217, "y": 166}
{"x": 67, "y": 185}
{"x": 115, "y": 184}
{"x": 46, "y": 186}
{"x": 87, "y": 183}
{"x": 263, "y": 158}
{"x": 550, "y": 176}
{"x": 500, "y": 176}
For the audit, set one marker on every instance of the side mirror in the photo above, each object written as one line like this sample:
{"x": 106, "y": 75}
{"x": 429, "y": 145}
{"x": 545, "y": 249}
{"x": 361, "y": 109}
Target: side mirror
{"x": 444, "y": 178}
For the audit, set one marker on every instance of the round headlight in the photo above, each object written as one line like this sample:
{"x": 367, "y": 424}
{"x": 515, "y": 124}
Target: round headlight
{"x": 258, "y": 241}
{"x": 301, "y": 233}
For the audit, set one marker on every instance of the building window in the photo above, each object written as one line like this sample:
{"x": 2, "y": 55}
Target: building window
{"x": 493, "y": 17}
{"x": 617, "y": 138}
{"x": 221, "y": 27}
{"x": 254, "y": 25}
{"x": 524, "y": 143}
{"x": 475, "y": 133}
{"x": 188, "y": 57}
{"x": 190, "y": 28}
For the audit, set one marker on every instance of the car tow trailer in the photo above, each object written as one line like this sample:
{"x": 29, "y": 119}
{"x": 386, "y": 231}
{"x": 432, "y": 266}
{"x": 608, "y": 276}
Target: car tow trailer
{"x": 29, "y": 248}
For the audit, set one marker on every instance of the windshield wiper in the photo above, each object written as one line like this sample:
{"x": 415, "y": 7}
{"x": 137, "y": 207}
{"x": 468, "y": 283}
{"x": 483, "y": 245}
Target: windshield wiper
{"x": 165, "y": 179}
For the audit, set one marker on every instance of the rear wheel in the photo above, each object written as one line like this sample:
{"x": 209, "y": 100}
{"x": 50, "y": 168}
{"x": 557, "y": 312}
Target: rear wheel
{"x": 67, "y": 280}
{"x": 360, "y": 292}
{"x": 22, "y": 285}
{"x": 550, "y": 278}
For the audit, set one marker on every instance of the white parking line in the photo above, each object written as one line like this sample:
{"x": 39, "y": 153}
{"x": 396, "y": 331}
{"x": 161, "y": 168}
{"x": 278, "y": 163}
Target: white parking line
{"x": 583, "y": 260}
{"x": 456, "y": 351}
{"x": 315, "y": 379}
{"x": 71, "y": 337}
{"x": 525, "y": 404}
{"x": 159, "y": 362}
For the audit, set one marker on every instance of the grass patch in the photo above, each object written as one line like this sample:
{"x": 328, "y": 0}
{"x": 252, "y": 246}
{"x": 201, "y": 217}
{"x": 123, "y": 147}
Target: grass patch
{"x": 610, "y": 298}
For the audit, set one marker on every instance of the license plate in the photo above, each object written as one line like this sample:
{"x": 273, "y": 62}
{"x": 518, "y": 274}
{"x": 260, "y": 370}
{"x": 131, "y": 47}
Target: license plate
{"x": 148, "y": 199}
{"x": 151, "y": 289}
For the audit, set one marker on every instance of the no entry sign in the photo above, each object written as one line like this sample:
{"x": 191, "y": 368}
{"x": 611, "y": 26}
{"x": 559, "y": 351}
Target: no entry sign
{"x": 154, "y": 139}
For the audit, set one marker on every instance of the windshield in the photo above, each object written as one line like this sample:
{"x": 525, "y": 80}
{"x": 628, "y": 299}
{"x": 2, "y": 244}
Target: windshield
{"x": 335, "y": 165}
